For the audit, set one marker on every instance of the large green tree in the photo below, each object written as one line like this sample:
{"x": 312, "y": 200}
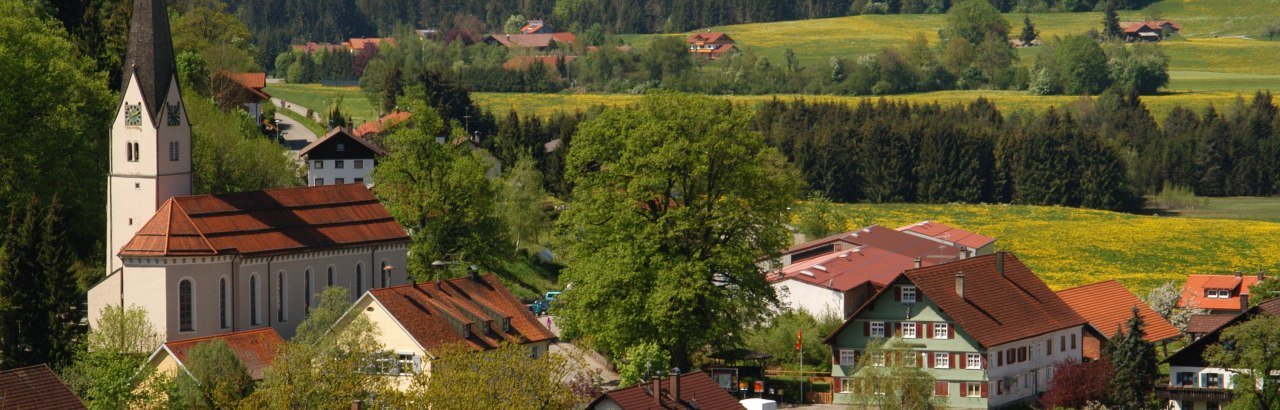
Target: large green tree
{"x": 439, "y": 193}
{"x": 1253, "y": 348}
{"x": 229, "y": 154}
{"x": 1081, "y": 66}
{"x": 462, "y": 378}
{"x": 40, "y": 310}
{"x": 670, "y": 212}
{"x": 521, "y": 203}
{"x": 212, "y": 378}
{"x": 106, "y": 370}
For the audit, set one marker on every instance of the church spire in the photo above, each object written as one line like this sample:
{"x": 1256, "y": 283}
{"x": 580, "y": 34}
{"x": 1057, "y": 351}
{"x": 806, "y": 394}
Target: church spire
{"x": 150, "y": 53}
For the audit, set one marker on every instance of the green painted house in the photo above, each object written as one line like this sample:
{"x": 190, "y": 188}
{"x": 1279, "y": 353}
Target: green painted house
{"x": 987, "y": 329}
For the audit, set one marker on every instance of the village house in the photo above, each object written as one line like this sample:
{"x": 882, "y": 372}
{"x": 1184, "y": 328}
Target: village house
{"x": 987, "y": 328}
{"x": 536, "y": 26}
{"x": 351, "y": 45}
{"x": 931, "y": 250}
{"x": 374, "y": 130}
{"x": 477, "y": 312}
{"x": 687, "y": 391}
{"x": 242, "y": 89}
{"x": 1154, "y": 30}
{"x": 542, "y": 41}
{"x": 340, "y": 158}
{"x": 973, "y": 243}
{"x": 711, "y": 45}
{"x": 1108, "y": 306}
{"x": 1194, "y": 384}
{"x": 837, "y": 283}
{"x": 35, "y": 387}
{"x": 1218, "y": 293}
{"x": 1200, "y": 325}
{"x": 256, "y": 349}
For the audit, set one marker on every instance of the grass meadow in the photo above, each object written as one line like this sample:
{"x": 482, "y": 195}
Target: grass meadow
{"x": 1068, "y": 247}
{"x": 317, "y": 97}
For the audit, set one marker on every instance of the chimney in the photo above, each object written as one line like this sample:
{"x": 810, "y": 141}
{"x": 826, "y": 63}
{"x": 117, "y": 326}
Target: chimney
{"x": 1244, "y": 302}
{"x": 960, "y": 284}
{"x": 675, "y": 385}
{"x": 657, "y": 391}
{"x": 917, "y": 264}
{"x": 1000, "y": 263}
{"x": 1260, "y": 276}
{"x": 1238, "y": 273}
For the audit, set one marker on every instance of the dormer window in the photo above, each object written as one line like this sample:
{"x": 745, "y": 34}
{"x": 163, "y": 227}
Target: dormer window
{"x": 488, "y": 327}
{"x": 506, "y": 324}
{"x": 908, "y": 294}
{"x": 466, "y": 331}
{"x": 1217, "y": 293}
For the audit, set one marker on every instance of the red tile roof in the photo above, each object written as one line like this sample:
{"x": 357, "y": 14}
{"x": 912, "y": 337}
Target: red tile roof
{"x": 1108, "y": 305}
{"x": 877, "y": 236}
{"x": 435, "y": 313}
{"x": 273, "y": 221}
{"x": 531, "y": 40}
{"x": 711, "y": 38}
{"x": 697, "y": 391}
{"x": 250, "y": 80}
{"x": 35, "y": 387}
{"x": 948, "y": 233}
{"x": 996, "y": 309}
{"x": 844, "y": 270}
{"x": 1193, "y": 353}
{"x": 341, "y": 133}
{"x": 255, "y": 348}
{"x": 377, "y": 127}
{"x": 1207, "y": 323}
{"x": 1194, "y": 291}
{"x": 357, "y": 44}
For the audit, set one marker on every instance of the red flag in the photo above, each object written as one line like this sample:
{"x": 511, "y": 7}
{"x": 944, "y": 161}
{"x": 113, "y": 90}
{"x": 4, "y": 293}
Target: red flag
{"x": 799, "y": 338}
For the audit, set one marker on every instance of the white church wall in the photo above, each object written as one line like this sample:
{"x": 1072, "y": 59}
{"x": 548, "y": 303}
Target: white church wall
{"x": 181, "y": 134}
{"x": 204, "y": 274}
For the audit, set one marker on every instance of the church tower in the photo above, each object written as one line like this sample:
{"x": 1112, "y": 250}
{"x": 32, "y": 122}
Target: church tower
{"x": 150, "y": 137}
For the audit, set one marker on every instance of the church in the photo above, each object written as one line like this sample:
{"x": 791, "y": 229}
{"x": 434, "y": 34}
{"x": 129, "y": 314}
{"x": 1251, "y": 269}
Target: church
{"x": 204, "y": 265}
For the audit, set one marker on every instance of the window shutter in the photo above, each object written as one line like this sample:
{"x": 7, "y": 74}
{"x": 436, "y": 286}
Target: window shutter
{"x": 940, "y": 389}
{"x": 897, "y": 328}
{"x": 984, "y": 360}
{"x": 866, "y": 328}
{"x": 951, "y": 334}
{"x": 984, "y": 390}
{"x": 955, "y": 361}
{"x": 964, "y": 389}
{"x": 928, "y": 330}
{"x": 897, "y": 296}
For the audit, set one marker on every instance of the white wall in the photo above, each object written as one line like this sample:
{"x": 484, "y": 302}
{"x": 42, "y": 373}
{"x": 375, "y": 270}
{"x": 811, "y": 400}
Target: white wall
{"x": 330, "y": 171}
{"x": 818, "y": 301}
{"x": 1034, "y": 374}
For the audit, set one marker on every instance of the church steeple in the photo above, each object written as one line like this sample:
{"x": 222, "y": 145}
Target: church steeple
{"x": 150, "y": 53}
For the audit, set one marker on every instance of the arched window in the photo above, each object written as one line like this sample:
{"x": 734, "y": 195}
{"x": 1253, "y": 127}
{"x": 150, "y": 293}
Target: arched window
{"x": 185, "y": 305}
{"x": 222, "y": 303}
{"x": 330, "y": 276}
{"x": 359, "y": 280}
{"x": 306, "y": 299}
{"x": 128, "y": 151}
{"x": 253, "y": 299}
{"x": 136, "y": 155}
{"x": 384, "y": 273}
{"x": 280, "y": 296}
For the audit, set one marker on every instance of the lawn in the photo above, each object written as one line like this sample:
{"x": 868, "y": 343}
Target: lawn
{"x": 317, "y": 97}
{"x": 1068, "y": 247}
{"x": 545, "y": 104}
{"x": 1258, "y": 209}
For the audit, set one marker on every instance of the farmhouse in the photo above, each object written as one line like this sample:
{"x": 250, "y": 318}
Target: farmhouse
{"x": 973, "y": 243}
{"x": 373, "y": 130}
{"x": 711, "y": 45}
{"x": 837, "y": 283}
{"x": 1193, "y": 383}
{"x": 986, "y": 327}
{"x": 530, "y": 41}
{"x": 679, "y": 391}
{"x": 477, "y": 312}
{"x": 1155, "y": 30}
{"x": 255, "y": 348}
{"x": 1218, "y": 293}
{"x": 242, "y": 89}
{"x": 931, "y": 250}
{"x": 340, "y": 158}
{"x": 1108, "y": 306}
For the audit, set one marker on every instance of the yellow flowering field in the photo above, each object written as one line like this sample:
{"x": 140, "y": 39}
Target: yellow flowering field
{"x": 1068, "y": 247}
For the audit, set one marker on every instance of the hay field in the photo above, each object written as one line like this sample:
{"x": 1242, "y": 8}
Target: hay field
{"x": 1069, "y": 247}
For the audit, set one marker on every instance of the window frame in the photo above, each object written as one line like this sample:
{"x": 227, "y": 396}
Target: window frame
{"x": 186, "y": 305}
{"x": 941, "y": 360}
{"x": 973, "y": 390}
{"x": 941, "y": 330}
{"x": 281, "y": 312}
{"x": 909, "y": 290}
{"x": 224, "y": 315}
{"x": 317, "y": 164}
{"x": 254, "y": 318}
{"x": 339, "y": 164}
{"x": 909, "y": 330}
{"x": 880, "y": 325}
{"x": 973, "y": 361}
{"x": 851, "y": 355}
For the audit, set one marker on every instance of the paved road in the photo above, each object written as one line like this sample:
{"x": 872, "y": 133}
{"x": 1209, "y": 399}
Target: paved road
{"x": 592, "y": 360}
{"x": 295, "y": 135}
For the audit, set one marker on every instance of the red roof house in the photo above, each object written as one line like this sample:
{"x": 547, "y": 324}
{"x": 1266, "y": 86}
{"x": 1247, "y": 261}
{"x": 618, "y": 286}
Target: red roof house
{"x": 1218, "y": 293}
{"x": 533, "y": 41}
{"x": 978, "y": 244}
{"x": 685, "y": 391}
{"x": 1108, "y": 306}
{"x": 255, "y": 348}
{"x": 35, "y": 387}
{"x": 836, "y": 283}
{"x": 711, "y": 45}
{"x": 376, "y": 128}
{"x": 928, "y": 249}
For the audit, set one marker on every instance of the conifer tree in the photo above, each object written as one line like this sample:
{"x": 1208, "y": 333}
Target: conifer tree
{"x": 1210, "y": 155}
{"x": 62, "y": 298}
{"x": 21, "y": 333}
{"x": 1111, "y": 22}
{"x": 1029, "y": 31}
{"x": 1135, "y": 365}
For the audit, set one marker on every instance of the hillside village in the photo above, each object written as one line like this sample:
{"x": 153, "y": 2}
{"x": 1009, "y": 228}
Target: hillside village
{"x": 308, "y": 217}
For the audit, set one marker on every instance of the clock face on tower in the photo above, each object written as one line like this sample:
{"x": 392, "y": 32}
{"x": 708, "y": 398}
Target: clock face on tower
{"x": 133, "y": 115}
{"x": 174, "y": 110}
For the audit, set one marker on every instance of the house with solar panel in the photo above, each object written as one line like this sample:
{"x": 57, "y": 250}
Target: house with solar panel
{"x": 207, "y": 265}
{"x": 987, "y": 329}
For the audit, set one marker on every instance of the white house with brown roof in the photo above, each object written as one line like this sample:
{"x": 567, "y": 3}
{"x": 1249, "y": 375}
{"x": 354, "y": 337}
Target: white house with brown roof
{"x": 207, "y": 265}
{"x": 340, "y": 158}
{"x": 986, "y": 327}
{"x": 477, "y": 312}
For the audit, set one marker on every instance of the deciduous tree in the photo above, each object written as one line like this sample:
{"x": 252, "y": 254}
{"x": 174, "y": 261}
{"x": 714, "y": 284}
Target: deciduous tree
{"x": 1252, "y": 350}
{"x": 1075, "y": 384}
{"x": 212, "y": 377}
{"x": 670, "y": 213}
{"x": 504, "y": 378}
{"x": 889, "y": 376}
